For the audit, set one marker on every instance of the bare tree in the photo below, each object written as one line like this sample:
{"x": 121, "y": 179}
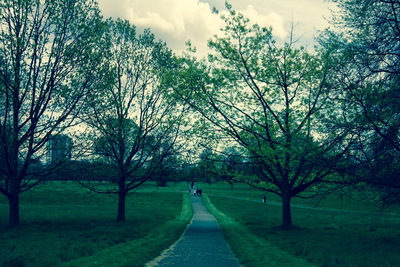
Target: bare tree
{"x": 46, "y": 66}
{"x": 136, "y": 126}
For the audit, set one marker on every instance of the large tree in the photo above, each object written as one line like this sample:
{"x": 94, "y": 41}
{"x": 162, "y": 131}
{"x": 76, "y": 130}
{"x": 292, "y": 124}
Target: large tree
{"x": 270, "y": 98}
{"x": 134, "y": 123}
{"x": 366, "y": 44}
{"x": 47, "y": 61}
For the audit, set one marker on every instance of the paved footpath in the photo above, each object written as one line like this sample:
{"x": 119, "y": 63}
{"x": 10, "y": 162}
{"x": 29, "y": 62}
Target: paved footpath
{"x": 202, "y": 244}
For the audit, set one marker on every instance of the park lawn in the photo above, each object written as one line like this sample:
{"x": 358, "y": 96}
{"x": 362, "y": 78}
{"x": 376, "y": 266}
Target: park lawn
{"x": 61, "y": 222}
{"x": 353, "y": 200}
{"x": 249, "y": 248}
{"x": 322, "y": 238}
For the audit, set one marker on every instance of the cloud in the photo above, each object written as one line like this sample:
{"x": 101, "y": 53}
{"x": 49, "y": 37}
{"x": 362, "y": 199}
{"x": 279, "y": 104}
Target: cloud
{"x": 155, "y": 21}
{"x": 306, "y": 15}
{"x": 271, "y": 19}
{"x": 115, "y": 9}
{"x": 173, "y": 21}
{"x": 176, "y": 21}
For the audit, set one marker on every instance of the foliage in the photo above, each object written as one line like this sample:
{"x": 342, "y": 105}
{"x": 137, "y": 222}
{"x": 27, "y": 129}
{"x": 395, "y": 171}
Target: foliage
{"x": 271, "y": 99}
{"x": 365, "y": 45}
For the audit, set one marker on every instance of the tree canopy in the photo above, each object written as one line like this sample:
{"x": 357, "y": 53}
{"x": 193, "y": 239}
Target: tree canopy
{"x": 365, "y": 41}
{"x": 272, "y": 99}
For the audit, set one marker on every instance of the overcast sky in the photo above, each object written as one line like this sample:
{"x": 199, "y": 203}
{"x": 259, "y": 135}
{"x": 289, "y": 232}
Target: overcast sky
{"x": 176, "y": 21}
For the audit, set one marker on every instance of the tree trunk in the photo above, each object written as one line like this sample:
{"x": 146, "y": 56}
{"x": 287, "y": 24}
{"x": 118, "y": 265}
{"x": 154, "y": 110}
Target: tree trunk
{"x": 286, "y": 213}
{"x": 13, "y": 200}
{"x": 121, "y": 204}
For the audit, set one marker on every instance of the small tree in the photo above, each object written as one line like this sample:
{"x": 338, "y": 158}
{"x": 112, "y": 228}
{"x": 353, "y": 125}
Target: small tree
{"x": 231, "y": 164}
{"x": 168, "y": 167}
{"x": 206, "y": 166}
{"x": 47, "y": 61}
{"x": 135, "y": 125}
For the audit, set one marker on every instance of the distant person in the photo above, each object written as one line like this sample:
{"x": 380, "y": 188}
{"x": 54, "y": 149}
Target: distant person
{"x": 194, "y": 192}
{"x": 200, "y": 191}
{"x": 265, "y": 198}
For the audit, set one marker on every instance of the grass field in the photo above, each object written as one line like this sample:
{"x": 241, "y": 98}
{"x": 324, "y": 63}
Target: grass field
{"x": 349, "y": 201}
{"x": 359, "y": 236}
{"x": 63, "y": 223}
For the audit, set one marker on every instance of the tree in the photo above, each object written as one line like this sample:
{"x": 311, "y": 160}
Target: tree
{"x": 366, "y": 44}
{"x": 135, "y": 125}
{"x": 169, "y": 165}
{"x": 230, "y": 164}
{"x": 237, "y": 164}
{"x": 47, "y": 60}
{"x": 271, "y": 99}
{"x": 206, "y": 166}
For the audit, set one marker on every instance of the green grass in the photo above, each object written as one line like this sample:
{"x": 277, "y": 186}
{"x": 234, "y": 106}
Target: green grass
{"x": 251, "y": 249}
{"x": 63, "y": 223}
{"x": 319, "y": 237}
{"x": 139, "y": 251}
{"x": 354, "y": 200}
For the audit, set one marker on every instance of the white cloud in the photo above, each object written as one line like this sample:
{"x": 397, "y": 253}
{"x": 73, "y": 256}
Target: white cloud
{"x": 271, "y": 19}
{"x": 155, "y": 21}
{"x": 176, "y": 21}
{"x": 306, "y": 15}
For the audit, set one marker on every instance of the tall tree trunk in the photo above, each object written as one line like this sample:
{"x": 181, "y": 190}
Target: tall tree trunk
{"x": 13, "y": 200}
{"x": 286, "y": 212}
{"x": 121, "y": 201}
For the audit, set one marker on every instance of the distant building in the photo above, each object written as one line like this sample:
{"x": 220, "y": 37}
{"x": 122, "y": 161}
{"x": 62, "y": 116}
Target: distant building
{"x": 59, "y": 148}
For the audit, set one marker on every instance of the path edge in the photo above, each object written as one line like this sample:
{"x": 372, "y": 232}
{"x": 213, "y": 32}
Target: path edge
{"x": 231, "y": 228}
{"x": 187, "y": 204}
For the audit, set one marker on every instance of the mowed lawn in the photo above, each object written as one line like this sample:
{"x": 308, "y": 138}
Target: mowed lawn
{"x": 321, "y": 236}
{"x": 61, "y": 222}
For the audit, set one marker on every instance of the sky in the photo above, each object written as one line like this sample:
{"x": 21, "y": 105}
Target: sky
{"x": 177, "y": 21}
